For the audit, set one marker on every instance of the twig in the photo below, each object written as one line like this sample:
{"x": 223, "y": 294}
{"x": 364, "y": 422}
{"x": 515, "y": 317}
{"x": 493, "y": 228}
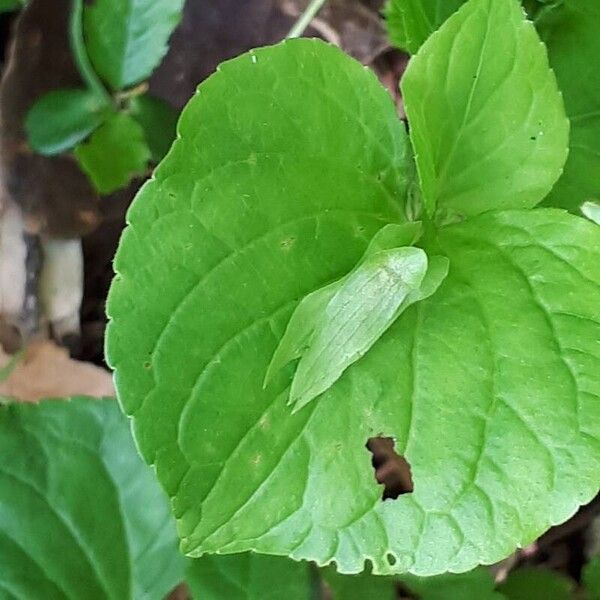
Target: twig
{"x": 305, "y": 18}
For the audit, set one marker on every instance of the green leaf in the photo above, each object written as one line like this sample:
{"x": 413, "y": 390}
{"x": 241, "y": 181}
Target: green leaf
{"x": 61, "y": 119}
{"x": 363, "y": 307}
{"x": 571, "y": 34}
{"x": 127, "y": 39}
{"x": 537, "y": 584}
{"x": 487, "y": 121}
{"x": 393, "y": 236}
{"x": 592, "y": 211}
{"x": 477, "y": 584}
{"x": 116, "y": 152}
{"x": 248, "y": 577}
{"x": 81, "y": 515}
{"x": 158, "y": 120}
{"x": 591, "y": 578}
{"x": 289, "y": 160}
{"x": 410, "y": 22}
{"x": 358, "y": 587}
{"x": 11, "y": 5}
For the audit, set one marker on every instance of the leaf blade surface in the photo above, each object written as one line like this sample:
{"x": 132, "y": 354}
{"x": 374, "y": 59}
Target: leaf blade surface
{"x": 248, "y": 577}
{"x": 570, "y": 32}
{"x": 127, "y": 39}
{"x": 410, "y": 22}
{"x": 82, "y": 515}
{"x": 487, "y": 121}
{"x": 61, "y": 119}
{"x": 486, "y": 381}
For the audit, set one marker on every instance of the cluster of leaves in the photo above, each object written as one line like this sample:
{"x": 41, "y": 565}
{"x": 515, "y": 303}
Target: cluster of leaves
{"x": 83, "y": 517}
{"x": 291, "y": 161}
{"x": 112, "y": 126}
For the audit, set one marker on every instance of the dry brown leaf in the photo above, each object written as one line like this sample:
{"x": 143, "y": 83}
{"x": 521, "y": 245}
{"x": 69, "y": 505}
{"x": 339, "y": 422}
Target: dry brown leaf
{"x": 47, "y": 371}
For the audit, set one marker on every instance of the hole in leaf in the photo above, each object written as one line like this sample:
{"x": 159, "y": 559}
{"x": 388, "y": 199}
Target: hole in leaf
{"x": 391, "y": 559}
{"x": 391, "y": 469}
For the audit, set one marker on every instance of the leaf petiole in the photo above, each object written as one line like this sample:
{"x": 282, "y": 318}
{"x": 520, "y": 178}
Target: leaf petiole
{"x": 84, "y": 65}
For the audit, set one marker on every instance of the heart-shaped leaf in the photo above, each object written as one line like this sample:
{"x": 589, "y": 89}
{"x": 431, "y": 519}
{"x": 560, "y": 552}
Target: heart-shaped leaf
{"x": 289, "y": 160}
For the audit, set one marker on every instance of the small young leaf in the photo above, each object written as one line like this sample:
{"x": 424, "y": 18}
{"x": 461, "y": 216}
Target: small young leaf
{"x": 486, "y": 119}
{"x": 126, "y": 39}
{"x": 158, "y": 120}
{"x": 410, "y": 22}
{"x": 362, "y": 309}
{"x": 537, "y": 584}
{"x": 61, "y": 119}
{"x": 116, "y": 152}
{"x": 570, "y": 31}
{"x": 82, "y": 516}
{"x": 248, "y": 577}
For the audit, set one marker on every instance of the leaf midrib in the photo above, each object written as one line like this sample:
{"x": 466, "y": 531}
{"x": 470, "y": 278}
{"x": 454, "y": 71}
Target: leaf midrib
{"x": 444, "y": 173}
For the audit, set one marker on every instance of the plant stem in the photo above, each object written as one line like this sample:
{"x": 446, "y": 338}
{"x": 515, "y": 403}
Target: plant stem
{"x": 305, "y": 18}
{"x": 129, "y": 94}
{"x": 80, "y": 53}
